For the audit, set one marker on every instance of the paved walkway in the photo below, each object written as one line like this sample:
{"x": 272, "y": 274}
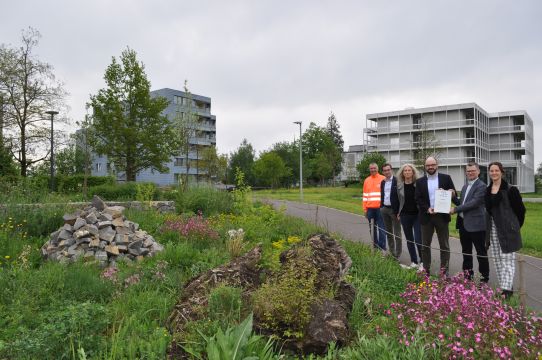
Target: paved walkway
{"x": 356, "y": 228}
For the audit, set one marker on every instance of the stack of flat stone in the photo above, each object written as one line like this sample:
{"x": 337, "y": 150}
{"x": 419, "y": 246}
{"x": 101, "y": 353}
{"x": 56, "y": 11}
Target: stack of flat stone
{"x": 99, "y": 233}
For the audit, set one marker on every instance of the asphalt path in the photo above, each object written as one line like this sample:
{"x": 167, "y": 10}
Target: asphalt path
{"x": 356, "y": 228}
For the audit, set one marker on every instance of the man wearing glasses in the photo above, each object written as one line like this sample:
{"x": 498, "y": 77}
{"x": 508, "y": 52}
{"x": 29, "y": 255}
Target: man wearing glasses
{"x": 471, "y": 222}
{"x": 430, "y": 220}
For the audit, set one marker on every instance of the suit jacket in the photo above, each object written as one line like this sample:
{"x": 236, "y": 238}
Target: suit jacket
{"x": 394, "y": 198}
{"x": 422, "y": 196}
{"x": 472, "y": 207}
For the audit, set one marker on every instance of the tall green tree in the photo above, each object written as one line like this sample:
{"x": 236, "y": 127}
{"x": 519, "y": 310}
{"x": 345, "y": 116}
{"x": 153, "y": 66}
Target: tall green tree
{"x": 214, "y": 164}
{"x": 29, "y": 90}
{"x": 242, "y": 158}
{"x": 289, "y": 153}
{"x": 127, "y": 123}
{"x": 270, "y": 169}
{"x": 318, "y": 146}
{"x": 333, "y": 128}
{"x": 186, "y": 124}
{"x": 369, "y": 158}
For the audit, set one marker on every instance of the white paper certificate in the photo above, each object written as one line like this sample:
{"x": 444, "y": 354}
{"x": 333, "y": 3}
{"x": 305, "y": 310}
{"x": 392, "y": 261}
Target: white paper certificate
{"x": 443, "y": 201}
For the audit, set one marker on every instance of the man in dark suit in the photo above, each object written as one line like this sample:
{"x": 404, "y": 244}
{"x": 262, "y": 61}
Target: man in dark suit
{"x": 431, "y": 221}
{"x": 389, "y": 208}
{"x": 471, "y": 222}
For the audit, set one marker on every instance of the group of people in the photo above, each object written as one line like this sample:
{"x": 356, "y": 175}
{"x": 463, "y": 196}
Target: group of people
{"x": 488, "y": 217}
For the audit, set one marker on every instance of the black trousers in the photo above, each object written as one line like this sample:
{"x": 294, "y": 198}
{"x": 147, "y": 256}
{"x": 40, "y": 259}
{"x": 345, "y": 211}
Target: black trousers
{"x": 468, "y": 239}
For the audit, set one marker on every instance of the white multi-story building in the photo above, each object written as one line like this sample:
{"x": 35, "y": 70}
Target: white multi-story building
{"x": 180, "y": 104}
{"x": 351, "y": 159}
{"x": 462, "y": 133}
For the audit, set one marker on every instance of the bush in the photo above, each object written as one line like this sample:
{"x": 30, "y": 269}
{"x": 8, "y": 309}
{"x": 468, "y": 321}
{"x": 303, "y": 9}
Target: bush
{"x": 69, "y": 184}
{"x": 115, "y": 192}
{"x": 206, "y": 200}
{"x": 225, "y": 304}
{"x": 61, "y": 332}
{"x": 282, "y": 304}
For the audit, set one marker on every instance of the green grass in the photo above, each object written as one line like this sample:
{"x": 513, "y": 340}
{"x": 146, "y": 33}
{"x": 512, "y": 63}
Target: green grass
{"x": 349, "y": 199}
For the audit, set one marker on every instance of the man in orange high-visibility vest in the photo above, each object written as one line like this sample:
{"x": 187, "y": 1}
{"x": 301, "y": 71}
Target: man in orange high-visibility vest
{"x": 371, "y": 206}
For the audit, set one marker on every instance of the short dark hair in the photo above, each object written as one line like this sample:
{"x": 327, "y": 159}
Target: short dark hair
{"x": 474, "y": 163}
{"x": 387, "y": 164}
{"x": 498, "y": 164}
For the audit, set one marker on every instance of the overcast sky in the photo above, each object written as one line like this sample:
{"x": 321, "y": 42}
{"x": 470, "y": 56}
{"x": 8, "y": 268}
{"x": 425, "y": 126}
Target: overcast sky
{"x": 266, "y": 64}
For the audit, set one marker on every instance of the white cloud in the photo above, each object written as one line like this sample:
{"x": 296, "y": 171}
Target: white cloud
{"x": 267, "y": 63}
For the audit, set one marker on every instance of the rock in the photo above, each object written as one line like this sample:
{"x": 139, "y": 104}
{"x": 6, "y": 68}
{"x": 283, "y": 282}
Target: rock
{"x": 118, "y": 222}
{"x": 113, "y": 250}
{"x": 95, "y": 242}
{"x": 115, "y": 211}
{"x": 92, "y": 229}
{"x": 91, "y": 218}
{"x": 105, "y": 217}
{"x": 81, "y": 233}
{"x": 79, "y": 223}
{"x": 107, "y": 234}
{"x": 99, "y": 236}
{"x": 98, "y": 203}
{"x": 102, "y": 224}
{"x": 101, "y": 255}
{"x": 64, "y": 234}
{"x": 123, "y": 230}
{"x": 156, "y": 247}
{"x": 329, "y": 323}
{"x": 70, "y": 219}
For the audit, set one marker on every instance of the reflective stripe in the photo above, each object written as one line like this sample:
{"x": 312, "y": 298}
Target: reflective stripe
{"x": 373, "y": 198}
{"x": 374, "y": 193}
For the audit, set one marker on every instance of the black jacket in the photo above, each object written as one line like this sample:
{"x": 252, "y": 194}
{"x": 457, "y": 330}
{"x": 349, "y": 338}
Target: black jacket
{"x": 394, "y": 198}
{"x": 508, "y": 213}
{"x": 422, "y": 196}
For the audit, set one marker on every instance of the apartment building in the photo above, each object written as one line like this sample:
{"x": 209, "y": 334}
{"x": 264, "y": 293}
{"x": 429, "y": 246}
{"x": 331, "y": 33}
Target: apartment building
{"x": 180, "y": 105}
{"x": 460, "y": 133}
{"x": 350, "y": 159}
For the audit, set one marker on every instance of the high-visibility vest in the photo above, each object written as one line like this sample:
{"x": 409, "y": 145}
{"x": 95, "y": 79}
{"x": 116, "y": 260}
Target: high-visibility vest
{"x": 371, "y": 192}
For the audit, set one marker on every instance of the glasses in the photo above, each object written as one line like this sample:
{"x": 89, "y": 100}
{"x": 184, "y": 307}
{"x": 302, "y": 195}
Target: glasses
{"x": 471, "y": 171}
{"x": 430, "y": 165}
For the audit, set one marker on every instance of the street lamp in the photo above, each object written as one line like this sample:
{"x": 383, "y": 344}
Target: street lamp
{"x": 52, "y": 113}
{"x": 300, "y": 163}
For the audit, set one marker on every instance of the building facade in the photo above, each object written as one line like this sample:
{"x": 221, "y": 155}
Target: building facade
{"x": 458, "y": 134}
{"x": 351, "y": 158}
{"x": 180, "y": 106}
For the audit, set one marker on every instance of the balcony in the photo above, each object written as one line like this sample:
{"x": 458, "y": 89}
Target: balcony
{"x": 506, "y": 129}
{"x": 415, "y": 127}
{"x": 516, "y": 145}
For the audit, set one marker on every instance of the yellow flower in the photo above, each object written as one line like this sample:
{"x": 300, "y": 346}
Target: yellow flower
{"x": 293, "y": 239}
{"x": 7, "y": 257}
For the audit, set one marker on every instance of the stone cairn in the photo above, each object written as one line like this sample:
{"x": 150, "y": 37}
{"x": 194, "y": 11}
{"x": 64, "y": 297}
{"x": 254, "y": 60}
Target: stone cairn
{"x": 99, "y": 233}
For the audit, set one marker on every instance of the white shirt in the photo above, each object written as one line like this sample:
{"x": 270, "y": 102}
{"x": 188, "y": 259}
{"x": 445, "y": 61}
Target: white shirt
{"x": 387, "y": 191}
{"x": 432, "y": 187}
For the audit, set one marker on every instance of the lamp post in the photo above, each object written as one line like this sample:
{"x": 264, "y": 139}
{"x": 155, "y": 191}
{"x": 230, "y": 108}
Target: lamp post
{"x": 52, "y": 113}
{"x": 300, "y": 162}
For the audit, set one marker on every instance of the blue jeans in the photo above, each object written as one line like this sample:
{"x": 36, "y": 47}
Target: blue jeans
{"x": 413, "y": 234}
{"x": 379, "y": 237}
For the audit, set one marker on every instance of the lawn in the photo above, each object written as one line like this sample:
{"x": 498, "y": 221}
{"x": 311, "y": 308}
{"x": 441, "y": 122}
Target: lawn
{"x": 50, "y": 310}
{"x": 349, "y": 199}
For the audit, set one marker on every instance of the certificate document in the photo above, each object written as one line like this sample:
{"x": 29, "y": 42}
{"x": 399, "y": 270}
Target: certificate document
{"x": 443, "y": 201}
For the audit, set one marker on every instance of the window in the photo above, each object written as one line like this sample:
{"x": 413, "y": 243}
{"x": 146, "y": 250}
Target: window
{"x": 179, "y": 162}
{"x": 98, "y": 167}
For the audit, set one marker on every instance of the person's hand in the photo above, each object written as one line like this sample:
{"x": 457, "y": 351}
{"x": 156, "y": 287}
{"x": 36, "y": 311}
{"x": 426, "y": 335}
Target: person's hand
{"x": 452, "y": 211}
{"x": 398, "y": 217}
{"x": 453, "y": 192}
{"x": 431, "y": 211}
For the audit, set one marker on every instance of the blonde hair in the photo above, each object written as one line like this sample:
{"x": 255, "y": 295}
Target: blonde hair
{"x": 415, "y": 173}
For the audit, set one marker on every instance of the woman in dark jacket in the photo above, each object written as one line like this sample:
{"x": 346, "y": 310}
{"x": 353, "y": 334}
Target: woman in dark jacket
{"x": 506, "y": 216}
{"x": 408, "y": 212}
